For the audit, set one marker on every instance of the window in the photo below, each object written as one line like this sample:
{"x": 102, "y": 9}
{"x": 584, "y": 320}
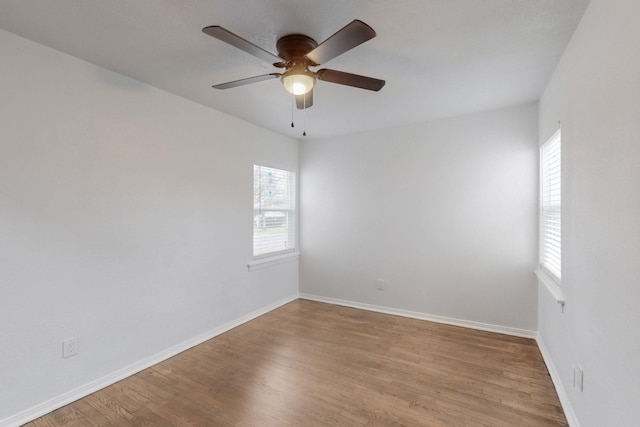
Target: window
{"x": 550, "y": 207}
{"x": 273, "y": 211}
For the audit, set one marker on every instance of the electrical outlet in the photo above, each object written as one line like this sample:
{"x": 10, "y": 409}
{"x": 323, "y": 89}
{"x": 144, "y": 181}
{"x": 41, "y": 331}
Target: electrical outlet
{"x": 380, "y": 284}
{"x": 70, "y": 347}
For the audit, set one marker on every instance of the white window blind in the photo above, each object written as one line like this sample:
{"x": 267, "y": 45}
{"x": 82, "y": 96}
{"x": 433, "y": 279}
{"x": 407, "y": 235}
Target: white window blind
{"x": 550, "y": 215}
{"x": 273, "y": 211}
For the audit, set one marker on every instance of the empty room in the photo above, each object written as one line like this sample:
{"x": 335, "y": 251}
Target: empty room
{"x": 299, "y": 213}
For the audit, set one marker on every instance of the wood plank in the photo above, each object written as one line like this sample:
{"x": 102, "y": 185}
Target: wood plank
{"x": 309, "y": 363}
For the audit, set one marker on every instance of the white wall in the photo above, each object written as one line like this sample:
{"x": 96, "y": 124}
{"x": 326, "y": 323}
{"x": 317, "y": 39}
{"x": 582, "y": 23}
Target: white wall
{"x": 125, "y": 220}
{"x": 595, "y": 93}
{"x": 444, "y": 211}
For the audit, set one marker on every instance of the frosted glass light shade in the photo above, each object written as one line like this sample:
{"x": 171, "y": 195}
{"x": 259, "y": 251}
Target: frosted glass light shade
{"x": 298, "y": 84}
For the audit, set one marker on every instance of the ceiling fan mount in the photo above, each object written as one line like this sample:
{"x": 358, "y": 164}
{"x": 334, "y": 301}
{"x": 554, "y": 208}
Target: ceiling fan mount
{"x": 295, "y": 46}
{"x": 298, "y": 52}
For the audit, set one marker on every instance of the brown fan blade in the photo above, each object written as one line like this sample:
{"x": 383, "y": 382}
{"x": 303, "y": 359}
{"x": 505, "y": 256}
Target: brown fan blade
{"x": 350, "y": 36}
{"x": 227, "y": 36}
{"x": 349, "y": 79}
{"x": 305, "y": 100}
{"x": 247, "y": 81}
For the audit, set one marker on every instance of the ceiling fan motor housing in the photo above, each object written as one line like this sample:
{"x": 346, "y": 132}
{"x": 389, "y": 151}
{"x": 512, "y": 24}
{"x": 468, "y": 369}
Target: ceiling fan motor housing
{"x": 295, "y": 46}
{"x": 297, "y": 79}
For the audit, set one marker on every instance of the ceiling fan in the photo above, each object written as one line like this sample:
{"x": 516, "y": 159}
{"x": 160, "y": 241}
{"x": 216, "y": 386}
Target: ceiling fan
{"x": 297, "y": 53}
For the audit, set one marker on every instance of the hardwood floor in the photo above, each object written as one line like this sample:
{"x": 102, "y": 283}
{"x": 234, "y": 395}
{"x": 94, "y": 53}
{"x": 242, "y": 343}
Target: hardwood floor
{"x": 315, "y": 364}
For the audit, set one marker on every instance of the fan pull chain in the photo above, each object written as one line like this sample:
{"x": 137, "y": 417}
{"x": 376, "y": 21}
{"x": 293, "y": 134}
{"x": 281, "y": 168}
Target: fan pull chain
{"x": 304, "y": 115}
{"x": 293, "y": 101}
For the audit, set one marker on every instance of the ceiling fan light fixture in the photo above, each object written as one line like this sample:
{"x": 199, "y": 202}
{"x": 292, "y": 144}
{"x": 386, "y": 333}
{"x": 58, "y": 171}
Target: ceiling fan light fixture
{"x": 298, "y": 82}
{"x": 298, "y": 52}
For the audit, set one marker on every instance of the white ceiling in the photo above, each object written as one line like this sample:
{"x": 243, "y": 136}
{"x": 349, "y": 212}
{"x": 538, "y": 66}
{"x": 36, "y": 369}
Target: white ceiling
{"x": 440, "y": 58}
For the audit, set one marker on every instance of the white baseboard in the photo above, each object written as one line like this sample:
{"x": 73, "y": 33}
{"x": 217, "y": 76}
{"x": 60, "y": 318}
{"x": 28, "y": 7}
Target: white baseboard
{"x": 557, "y": 383}
{"x": 100, "y": 383}
{"x": 93, "y": 386}
{"x": 425, "y": 316}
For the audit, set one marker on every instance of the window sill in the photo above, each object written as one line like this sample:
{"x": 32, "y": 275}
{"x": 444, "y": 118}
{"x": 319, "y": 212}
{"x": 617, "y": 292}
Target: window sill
{"x": 257, "y": 264}
{"x": 553, "y": 288}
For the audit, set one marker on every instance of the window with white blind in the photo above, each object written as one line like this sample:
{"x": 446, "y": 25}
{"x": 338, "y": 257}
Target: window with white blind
{"x": 550, "y": 207}
{"x": 273, "y": 211}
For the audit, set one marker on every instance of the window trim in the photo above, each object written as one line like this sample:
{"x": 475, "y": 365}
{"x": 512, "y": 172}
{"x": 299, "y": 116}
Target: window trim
{"x": 556, "y": 138}
{"x": 552, "y": 286}
{"x": 276, "y": 257}
{"x": 269, "y": 261}
{"x": 545, "y": 275}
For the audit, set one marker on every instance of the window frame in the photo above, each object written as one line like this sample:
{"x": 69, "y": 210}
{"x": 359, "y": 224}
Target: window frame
{"x": 546, "y": 210}
{"x": 291, "y": 216}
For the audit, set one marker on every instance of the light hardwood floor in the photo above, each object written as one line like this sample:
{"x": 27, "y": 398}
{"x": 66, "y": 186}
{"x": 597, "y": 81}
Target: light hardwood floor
{"x": 315, "y": 364}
